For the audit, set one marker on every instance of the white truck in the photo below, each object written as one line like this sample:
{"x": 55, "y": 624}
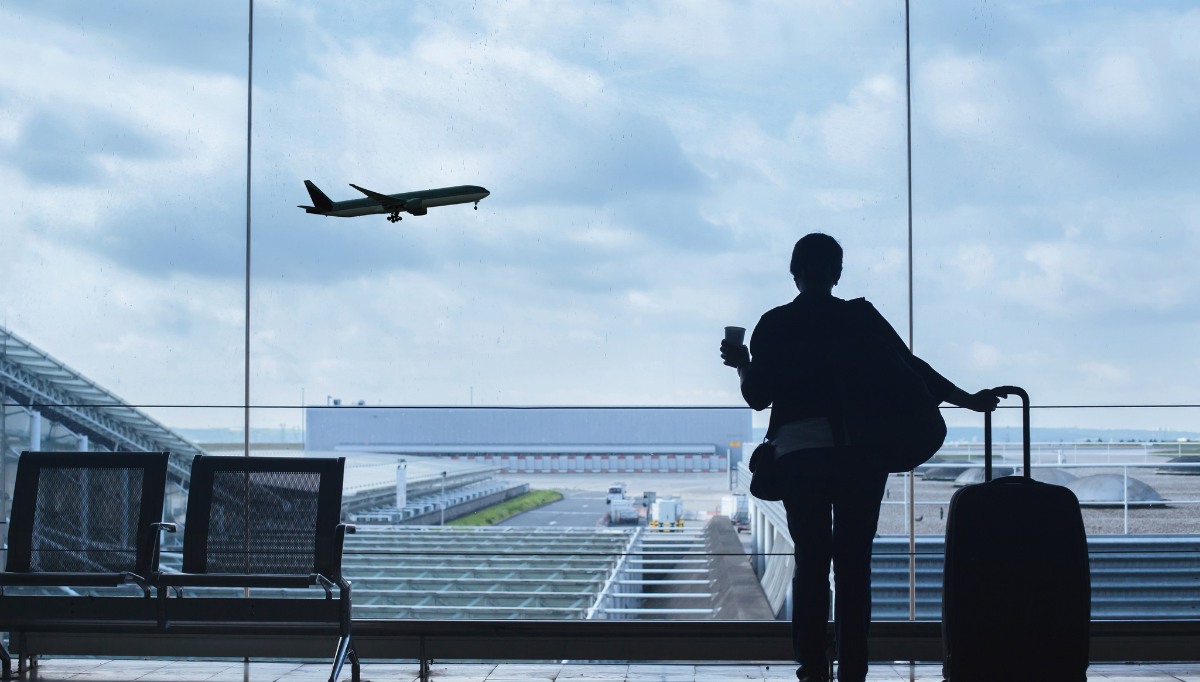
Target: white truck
{"x": 616, "y": 491}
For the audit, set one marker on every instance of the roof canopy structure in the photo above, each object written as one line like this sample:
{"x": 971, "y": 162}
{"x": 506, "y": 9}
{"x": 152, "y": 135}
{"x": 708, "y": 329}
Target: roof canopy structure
{"x": 36, "y": 382}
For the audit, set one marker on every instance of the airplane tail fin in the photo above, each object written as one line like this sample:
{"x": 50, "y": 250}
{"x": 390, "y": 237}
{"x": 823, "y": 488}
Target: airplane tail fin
{"x": 320, "y": 201}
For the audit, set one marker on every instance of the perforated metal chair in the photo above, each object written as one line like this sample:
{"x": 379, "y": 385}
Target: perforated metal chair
{"x": 262, "y": 522}
{"x": 81, "y": 520}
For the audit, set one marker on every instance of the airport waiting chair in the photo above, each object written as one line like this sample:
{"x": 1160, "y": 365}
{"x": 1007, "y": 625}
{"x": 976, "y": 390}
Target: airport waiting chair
{"x": 81, "y": 520}
{"x": 271, "y": 524}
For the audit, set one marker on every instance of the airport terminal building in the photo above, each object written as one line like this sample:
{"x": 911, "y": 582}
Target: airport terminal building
{"x": 542, "y": 439}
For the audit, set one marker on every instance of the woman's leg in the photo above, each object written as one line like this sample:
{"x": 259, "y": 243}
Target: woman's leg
{"x": 855, "y": 519}
{"x": 810, "y": 525}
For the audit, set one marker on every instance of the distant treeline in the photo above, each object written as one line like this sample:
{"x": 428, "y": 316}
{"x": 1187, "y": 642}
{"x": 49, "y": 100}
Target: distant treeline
{"x": 1071, "y": 435}
{"x": 290, "y": 434}
{"x": 1012, "y": 434}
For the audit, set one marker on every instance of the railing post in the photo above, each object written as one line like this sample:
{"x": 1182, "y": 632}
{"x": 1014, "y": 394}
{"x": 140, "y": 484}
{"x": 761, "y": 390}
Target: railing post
{"x": 35, "y": 430}
{"x": 757, "y": 543}
{"x": 1125, "y": 494}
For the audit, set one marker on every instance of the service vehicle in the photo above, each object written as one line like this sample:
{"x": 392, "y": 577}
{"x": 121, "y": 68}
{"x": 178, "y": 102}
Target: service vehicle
{"x": 622, "y": 511}
{"x": 666, "y": 513}
{"x": 737, "y": 508}
{"x": 616, "y": 491}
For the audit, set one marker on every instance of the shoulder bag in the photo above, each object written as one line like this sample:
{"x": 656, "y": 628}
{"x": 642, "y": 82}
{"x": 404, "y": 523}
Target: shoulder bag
{"x": 887, "y": 412}
{"x": 766, "y": 481}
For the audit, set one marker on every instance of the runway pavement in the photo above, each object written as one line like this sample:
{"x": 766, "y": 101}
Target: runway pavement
{"x": 584, "y": 496}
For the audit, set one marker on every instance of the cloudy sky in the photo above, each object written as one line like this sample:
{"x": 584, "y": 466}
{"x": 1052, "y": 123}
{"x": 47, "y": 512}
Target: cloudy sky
{"x": 650, "y": 165}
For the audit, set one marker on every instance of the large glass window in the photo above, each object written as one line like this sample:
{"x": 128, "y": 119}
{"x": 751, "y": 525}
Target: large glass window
{"x": 1051, "y": 179}
{"x": 647, "y": 168}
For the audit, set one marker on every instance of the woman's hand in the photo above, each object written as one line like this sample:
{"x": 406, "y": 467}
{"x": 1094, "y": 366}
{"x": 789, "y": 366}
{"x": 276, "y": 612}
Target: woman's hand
{"x": 981, "y": 401}
{"x": 735, "y": 354}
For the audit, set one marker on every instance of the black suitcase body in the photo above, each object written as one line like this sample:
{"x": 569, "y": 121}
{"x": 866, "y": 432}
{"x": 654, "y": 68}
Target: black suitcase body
{"x": 1016, "y": 593}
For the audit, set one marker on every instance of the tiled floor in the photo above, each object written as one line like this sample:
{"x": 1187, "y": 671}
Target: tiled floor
{"x": 96, "y": 670}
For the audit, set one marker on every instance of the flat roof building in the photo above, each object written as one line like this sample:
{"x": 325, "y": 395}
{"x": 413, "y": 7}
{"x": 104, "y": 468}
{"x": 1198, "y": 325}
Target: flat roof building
{"x": 542, "y": 439}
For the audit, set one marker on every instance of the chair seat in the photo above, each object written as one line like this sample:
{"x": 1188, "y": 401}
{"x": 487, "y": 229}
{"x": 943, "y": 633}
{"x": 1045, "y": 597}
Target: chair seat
{"x": 70, "y": 613}
{"x": 237, "y": 580}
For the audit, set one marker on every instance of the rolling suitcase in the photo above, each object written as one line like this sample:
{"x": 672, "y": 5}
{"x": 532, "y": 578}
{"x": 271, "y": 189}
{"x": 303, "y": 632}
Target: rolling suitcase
{"x": 1016, "y": 592}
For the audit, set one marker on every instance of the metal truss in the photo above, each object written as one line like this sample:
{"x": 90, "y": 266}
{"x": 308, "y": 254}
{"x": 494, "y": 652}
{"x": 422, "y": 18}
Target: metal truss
{"x": 34, "y": 380}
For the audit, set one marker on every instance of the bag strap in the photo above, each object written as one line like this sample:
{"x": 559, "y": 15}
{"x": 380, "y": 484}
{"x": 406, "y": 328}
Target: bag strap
{"x": 852, "y": 317}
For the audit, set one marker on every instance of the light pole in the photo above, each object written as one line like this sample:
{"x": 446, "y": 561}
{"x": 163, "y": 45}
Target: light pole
{"x": 443, "y": 505}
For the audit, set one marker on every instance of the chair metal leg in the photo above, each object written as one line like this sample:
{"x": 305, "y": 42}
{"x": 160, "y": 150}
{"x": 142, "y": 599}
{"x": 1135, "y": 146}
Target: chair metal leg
{"x": 6, "y": 661}
{"x": 339, "y": 658}
{"x": 423, "y": 662}
{"x": 425, "y": 669}
{"x": 355, "y": 668}
{"x": 830, "y": 650}
{"x": 24, "y": 659}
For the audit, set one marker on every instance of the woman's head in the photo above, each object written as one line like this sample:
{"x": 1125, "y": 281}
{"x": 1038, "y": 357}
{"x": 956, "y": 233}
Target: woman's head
{"x": 817, "y": 262}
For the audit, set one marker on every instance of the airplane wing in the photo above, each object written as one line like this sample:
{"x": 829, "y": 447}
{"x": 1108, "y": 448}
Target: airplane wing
{"x": 385, "y": 200}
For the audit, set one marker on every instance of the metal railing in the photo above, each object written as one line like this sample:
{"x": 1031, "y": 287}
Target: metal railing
{"x": 1134, "y": 575}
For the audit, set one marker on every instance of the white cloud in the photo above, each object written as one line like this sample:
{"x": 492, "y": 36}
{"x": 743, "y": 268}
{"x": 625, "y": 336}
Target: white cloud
{"x": 986, "y": 356}
{"x": 976, "y": 264}
{"x": 845, "y": 199}
{"x": 149, "y": 341}
{"x": 1107, "y": 260}
{"x": 76, "y": 74}
{"x": 1118, "y": 93}
{"x": 884, "y": 262}
{"x": 964, "y": 96}
{"x": 121, "y": 138}
{"x": 866, "y": 132}
{"x": 1129, "y": 76}
{"x": 1105, "y": 373}
{"x": 995, "y": 360}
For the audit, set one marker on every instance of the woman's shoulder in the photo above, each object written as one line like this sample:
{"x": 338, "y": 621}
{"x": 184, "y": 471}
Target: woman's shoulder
{"x": 860, "y": 305}
{"x": 802, "y": 304}
{"x": 783, "y": 315}
{"x": 776, "y": 322}
{"x": 779, "y": 311}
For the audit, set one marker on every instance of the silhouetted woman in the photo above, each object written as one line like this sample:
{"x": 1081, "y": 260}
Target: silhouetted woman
{"x": 833, "y": 496}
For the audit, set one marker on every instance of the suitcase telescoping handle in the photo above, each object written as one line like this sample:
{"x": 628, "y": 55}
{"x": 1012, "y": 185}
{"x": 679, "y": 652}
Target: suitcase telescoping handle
{"x": 1004, "y": 392}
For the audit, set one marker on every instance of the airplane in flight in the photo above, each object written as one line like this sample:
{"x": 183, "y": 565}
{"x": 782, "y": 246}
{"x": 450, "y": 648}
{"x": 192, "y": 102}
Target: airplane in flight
{"x": 416, "y": 203}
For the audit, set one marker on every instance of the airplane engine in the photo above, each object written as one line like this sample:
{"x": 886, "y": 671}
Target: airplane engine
{"x": 415, "y": 207}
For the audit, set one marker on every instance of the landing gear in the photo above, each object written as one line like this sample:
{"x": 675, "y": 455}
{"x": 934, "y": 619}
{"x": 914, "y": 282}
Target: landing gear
{"x": 395, "y": 217}
{"x": 476, "y": 205}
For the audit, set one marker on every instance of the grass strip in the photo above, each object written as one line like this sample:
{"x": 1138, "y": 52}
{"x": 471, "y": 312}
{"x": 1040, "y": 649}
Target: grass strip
{"x": 507, "y": 509}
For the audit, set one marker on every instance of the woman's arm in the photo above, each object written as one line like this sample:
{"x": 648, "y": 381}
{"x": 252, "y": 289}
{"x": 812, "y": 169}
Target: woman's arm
{"x": 942, "y": 388}
{"x": 755, "y": 389}
{"x": 979, "y": 401}
{"x": 755, "y": 374}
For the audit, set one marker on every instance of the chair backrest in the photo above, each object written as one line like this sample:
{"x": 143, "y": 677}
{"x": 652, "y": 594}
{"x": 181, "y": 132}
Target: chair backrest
{"x": 263, "y": 515}
{"x": 86, "y": 512}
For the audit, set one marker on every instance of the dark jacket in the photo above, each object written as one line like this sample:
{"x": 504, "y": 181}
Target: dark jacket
{"x": 793, "y": 349}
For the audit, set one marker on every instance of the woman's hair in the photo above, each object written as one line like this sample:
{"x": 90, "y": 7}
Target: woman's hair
{"x": 819, "y": 257}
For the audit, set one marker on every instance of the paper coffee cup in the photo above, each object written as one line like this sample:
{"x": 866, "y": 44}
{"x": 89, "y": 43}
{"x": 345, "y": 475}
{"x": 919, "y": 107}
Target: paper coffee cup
{"x": 735, "y": 335}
